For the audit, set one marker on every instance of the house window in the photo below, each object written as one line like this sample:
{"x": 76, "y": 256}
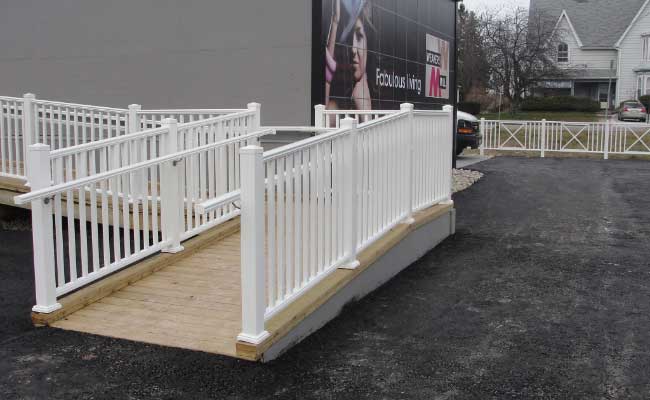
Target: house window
{"x": 645, "y": 50}
{"x": 563, "y": 53}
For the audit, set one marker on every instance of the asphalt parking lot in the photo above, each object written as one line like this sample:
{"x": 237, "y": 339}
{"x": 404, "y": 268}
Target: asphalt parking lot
{"x": 544, "y": 292}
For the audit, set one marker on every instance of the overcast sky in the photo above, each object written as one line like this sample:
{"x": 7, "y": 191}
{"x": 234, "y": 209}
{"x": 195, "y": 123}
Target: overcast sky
{"x": 478, "y": 5}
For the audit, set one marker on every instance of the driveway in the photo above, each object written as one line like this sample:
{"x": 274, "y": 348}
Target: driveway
{"x": 544, "y": 292}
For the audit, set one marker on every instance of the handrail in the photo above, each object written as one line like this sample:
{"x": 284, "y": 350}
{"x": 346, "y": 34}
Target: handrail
{"x": 9, "y": 98}
{"x": 66, "y": 151}
{"x": 293, "y": 147}
{"x": 192, "y": 111}
{"x": 218, "y": 202}
{"x": 359, "y": 112}
{"x": 313, "y": 129}
{"x": 429, "y": 112}
{"x": 218, "y": 118}
{"x": 385, "y": 118}
{"x": 89, "y": 107}
{"x": 70, "y": 185}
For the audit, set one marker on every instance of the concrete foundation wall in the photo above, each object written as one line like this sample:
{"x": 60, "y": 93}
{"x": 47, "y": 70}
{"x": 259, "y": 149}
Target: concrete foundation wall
{"x": 161, "y": 53}
{"x": 409, "y": 250}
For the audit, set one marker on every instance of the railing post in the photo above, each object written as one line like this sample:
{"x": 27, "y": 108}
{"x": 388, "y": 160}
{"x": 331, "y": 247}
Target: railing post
{"x": 483, "y": 137}
{"x": 350, "y": 193}
{"x": 450, "y": 109}
{"x": 40, "y": 177}
{"x": 606, "y": 140}
{"x": 410, "y": 143}
{"x": 257, "y": 120}
{"x": 253, "y": 270}
{"x": 133, "y": 123}
{"x": 171, "y": 191}
{"x": 542, "y": 142}
{"x": 319, "y": 116}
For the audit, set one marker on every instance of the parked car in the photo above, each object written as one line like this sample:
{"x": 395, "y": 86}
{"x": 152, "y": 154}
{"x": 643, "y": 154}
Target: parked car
{"x": 632, "y": 109}
{"x": 467, "y": 132}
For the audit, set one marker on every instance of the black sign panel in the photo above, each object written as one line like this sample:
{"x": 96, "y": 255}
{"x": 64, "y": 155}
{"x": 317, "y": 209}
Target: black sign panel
{"x": 377, "y": 54}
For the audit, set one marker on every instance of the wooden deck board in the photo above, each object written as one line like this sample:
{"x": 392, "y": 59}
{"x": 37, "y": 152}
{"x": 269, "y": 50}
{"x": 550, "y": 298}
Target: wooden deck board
{"x": 194, "y": 303}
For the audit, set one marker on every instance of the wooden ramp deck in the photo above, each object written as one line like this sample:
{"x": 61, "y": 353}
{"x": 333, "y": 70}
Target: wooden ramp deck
{"x": 193, "y": 303}
{"x": 192, "y": 299}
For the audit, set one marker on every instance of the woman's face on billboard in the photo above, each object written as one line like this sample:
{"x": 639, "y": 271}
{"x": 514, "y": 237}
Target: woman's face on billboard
{"x": 359, "y": 50}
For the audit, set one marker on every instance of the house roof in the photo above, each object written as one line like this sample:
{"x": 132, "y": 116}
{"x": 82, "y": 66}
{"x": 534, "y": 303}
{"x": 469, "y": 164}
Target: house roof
{"x": 598, "y": 23}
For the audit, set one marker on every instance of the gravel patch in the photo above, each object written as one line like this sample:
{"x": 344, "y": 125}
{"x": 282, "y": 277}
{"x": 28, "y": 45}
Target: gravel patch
{"x": 464, "y": 178}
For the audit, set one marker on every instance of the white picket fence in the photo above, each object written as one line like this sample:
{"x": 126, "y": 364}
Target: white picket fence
{"x": 308, "y": 208}
{"x": 570, "y": 137}
{"x": 27, "y": 120}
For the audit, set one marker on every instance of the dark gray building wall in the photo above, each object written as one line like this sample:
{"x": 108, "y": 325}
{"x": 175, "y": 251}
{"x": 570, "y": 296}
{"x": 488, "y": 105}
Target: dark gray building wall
{"x": 161, "y": 53}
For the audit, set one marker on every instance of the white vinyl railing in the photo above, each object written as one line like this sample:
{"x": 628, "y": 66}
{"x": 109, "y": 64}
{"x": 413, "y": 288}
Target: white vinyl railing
{"x": 70, "y": 163}
{"x": 12, "y": 144}
{"x": 324, "y": 118}
{"x": 147, "y": 119}
{"x": 573, "y": 137}
{"x": 89, "y": 227}
{"x": 27, "y": 120}
{"x": 60, "y": 124}
{"x": 308, "y": 208}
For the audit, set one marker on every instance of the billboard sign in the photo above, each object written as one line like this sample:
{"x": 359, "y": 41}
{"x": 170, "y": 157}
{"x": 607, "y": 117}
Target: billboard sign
{"x": 377, "y": 54}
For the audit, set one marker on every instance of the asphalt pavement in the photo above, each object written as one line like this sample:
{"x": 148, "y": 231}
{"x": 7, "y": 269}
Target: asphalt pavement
{"x": 544, "y": 292}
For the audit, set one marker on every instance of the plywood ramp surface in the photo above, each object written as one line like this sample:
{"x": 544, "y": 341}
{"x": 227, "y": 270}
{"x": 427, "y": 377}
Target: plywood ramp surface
{"x": 193, "y": 304}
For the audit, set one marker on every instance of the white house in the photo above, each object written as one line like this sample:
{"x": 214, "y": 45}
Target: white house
{"x": 599, "y": 40}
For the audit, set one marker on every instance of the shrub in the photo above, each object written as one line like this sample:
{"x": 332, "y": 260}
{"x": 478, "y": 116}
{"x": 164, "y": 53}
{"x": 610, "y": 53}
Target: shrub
{"x": 471, "y": 107}
{"x": 560, "y": 103}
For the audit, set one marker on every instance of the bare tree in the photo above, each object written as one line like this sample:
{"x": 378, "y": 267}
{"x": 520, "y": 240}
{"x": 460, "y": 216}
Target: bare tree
{"x": 473, "y": 72}
{"x": 520, "y": 49}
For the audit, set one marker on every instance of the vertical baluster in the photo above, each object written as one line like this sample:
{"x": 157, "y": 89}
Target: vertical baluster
{"x": 82, "y": 169}
{"x": 313, "y": 210}
{"x": 3, "y": 146}
{"x": 334, "y": 213}
{"x": 68, "y": 134}
{"x": 212, "y": 191}
{"x": 297, "y": 207}
{"x": 103, "y": 189}
{"x": 12, "y": 137}
{"x": 94, "y": 236}
{"x": 145, "y": 185}
{"x": 203, "y": 173}
{"x": 136, "y": 181}
{"x": 58, "y": 223}
{"x": 289, "y": 160}
{"x": 70, "y": 204}
{"x": 304, "y": 200}
{"x": 58, "y": 127}
{"x": 19, "y": 140}
{"x": 154, "y": 197}
{"x": 270, "y": 233}
{"x": 117, "y": 248}
{"x": 281, "y": 236}
{"x": 327, "y": 162}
